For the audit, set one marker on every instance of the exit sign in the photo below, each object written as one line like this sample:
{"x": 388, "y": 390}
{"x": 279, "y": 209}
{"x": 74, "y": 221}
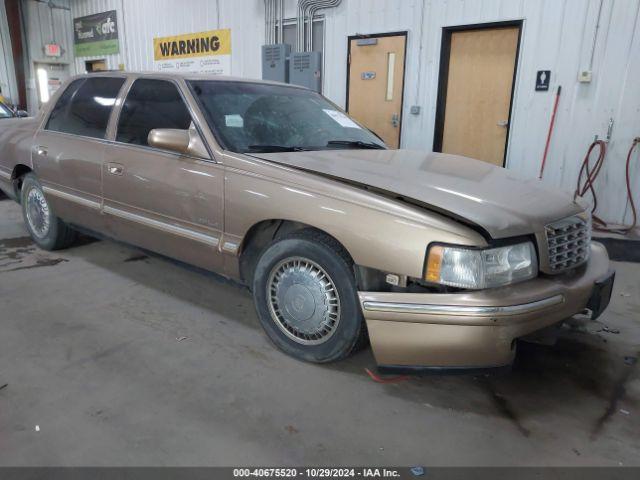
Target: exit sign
{"x": 52, "y": 50}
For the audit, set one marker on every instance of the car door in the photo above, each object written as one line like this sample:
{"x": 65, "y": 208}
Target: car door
{"x": 68, "y": 149}
{"x": 161, "y": 200}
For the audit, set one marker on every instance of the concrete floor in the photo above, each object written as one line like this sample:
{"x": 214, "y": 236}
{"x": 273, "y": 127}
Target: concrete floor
{"x": 123, "y": 359}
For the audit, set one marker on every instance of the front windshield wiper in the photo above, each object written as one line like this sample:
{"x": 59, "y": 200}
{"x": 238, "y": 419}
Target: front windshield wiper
{"x": 356, "y": 144}
{"x": 274, "y": 148}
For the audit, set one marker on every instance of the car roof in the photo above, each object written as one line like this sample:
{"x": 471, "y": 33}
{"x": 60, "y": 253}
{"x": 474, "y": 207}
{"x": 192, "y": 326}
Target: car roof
{"x": 185, "y": 76}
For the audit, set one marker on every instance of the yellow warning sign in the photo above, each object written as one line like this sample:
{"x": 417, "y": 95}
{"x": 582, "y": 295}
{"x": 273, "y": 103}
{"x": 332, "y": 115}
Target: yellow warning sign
{"x": 203, "y": 44}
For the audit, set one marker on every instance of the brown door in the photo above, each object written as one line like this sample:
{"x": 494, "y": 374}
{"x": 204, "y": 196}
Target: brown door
{"x": 479, "y": 83}
{"x": 96, "y": 66}
{"x": 376, "y": 77}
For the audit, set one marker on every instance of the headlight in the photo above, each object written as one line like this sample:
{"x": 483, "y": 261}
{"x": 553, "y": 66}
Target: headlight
{"x": 475, "y": 268}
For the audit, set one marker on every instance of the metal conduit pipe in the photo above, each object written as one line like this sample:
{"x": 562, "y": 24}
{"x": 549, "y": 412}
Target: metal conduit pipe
{"x": 274, "y": 14}
{"x": 300, "y": 24}
{"x": 266, "y": 21}
{"x": 271, "y": 19}
{"x": 281, "y": 23}
{"x": 315, "y": 7}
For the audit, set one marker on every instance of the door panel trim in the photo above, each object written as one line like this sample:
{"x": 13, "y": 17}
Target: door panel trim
{"x": 71, "y": 197}
{"x": 404, "y": 34}
{"x": 162, "y": 226}
{"x": 443, "y": 77}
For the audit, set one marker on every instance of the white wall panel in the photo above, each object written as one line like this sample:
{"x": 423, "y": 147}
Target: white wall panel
{"x": 140, "y": 21}
{"x": 7, "y": 72}
{"x": 557, "y": 35}
{"x": 82, "y": 8}
{"x": 46, "y": 24}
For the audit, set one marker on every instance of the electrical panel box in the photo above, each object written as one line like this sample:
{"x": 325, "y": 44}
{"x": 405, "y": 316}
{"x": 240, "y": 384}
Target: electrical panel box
{"x": 275, "y": 60}
{"x": 305, "y": 69}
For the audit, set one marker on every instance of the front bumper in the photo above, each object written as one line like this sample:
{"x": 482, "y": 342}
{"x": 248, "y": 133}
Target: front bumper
{"x": 475, "y": 329}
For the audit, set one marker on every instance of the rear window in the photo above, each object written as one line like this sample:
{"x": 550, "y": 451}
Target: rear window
{"x": 85, "y": 106}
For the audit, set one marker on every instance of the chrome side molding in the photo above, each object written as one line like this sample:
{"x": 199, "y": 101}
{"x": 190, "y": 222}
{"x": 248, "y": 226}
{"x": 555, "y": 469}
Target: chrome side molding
{"x": 163, "y": 226}
{"x": 432, "y": 309}
{"x": 72, "y": 198}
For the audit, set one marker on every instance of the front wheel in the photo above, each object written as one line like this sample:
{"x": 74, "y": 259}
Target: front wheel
{"x": 306, "y": 298}
{"x": 46, "y": 230}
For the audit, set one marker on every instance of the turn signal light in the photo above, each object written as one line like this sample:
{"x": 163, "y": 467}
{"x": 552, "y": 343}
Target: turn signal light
{"x": 434, "y": 262}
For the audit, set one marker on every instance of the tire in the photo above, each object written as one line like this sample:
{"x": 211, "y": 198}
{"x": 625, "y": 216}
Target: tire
{"x": 46, "y": 230}
{"x": 306, "y": 298}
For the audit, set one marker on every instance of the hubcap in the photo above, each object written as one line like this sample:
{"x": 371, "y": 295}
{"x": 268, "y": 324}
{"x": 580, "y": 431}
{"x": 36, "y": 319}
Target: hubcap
{"x": 303, "y": 301}
{"x": 38, "y": 213}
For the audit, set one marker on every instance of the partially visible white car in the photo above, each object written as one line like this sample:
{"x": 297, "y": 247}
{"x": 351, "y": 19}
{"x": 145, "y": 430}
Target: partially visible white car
{"x": 8, "y": 112}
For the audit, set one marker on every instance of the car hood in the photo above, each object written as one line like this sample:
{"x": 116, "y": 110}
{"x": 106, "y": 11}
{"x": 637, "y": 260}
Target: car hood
{"x": 496, "y": 199}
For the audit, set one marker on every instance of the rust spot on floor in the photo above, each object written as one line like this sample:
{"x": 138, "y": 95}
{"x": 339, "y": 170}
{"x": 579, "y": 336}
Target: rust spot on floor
{"x": 291, "y": 429}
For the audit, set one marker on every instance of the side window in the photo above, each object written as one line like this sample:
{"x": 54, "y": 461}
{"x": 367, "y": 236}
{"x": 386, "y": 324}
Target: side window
{"x": 151, "y": 104}
{"x": 85, "y": 106}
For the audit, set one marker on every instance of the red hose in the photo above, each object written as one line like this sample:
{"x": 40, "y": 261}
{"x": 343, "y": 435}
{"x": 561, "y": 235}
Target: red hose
{"x": 592, "y": 174}
{"x": 636, "y": 141}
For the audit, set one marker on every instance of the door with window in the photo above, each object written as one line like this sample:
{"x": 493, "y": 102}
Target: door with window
{"x": 376, "y": 83}
{"x": 68, "y": 150}
{"x": 161, "y": 200}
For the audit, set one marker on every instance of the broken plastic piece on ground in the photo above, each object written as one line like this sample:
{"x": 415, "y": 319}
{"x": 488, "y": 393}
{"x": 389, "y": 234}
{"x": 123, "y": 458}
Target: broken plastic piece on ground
{"x": 377, "y": 378}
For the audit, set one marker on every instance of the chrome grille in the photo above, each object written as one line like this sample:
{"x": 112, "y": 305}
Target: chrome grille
{"x": 568, "y": 241}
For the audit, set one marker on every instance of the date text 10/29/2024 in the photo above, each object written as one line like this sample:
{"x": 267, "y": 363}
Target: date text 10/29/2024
{"x": 322, "y": 472}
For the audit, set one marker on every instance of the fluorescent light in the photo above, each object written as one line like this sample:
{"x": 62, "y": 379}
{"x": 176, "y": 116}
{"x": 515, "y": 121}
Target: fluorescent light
{"x": 43, "y": 84}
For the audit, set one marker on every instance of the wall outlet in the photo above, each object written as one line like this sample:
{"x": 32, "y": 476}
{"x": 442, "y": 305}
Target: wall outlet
{"x": 415, "y": 110}
{"x": 584, "y": 76}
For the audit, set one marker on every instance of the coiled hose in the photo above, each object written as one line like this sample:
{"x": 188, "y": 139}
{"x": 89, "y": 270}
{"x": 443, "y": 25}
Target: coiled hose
{"x": 591, "y": 173}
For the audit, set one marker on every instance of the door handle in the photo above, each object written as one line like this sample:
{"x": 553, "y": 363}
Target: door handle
{"x": 395, "y": 120}
{"x": 115, "y": 168}
{"x": 42, "y": 151}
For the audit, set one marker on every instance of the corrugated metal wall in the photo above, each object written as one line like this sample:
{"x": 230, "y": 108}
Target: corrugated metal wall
{"x": 45, "y": 24}
{"x": 140, "y": 21}
{"x": 557, "y": 35}
{"x": 7, "y": 72}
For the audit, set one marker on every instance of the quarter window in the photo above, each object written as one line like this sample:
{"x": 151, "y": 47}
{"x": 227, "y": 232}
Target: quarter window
{"x": 85, "y": 106}
{"x": 151, "y": 104}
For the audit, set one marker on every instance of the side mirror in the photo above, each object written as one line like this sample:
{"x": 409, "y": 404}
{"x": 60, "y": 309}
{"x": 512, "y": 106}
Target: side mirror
{"x": 186, "y": 142}
{"x": 22, "y": 114}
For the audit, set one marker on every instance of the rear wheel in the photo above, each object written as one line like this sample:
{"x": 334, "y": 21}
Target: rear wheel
{"x": 305, "y": 296}
{"x": 46, "y": 230}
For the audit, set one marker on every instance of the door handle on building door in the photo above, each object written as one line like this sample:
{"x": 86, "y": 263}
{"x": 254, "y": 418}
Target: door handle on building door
{"x": 115, "y": 168}
{"x": 395, "y": 120}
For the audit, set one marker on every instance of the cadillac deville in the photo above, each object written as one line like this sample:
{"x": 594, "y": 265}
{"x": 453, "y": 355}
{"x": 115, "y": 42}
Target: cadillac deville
{"x": 438, "y": 260}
